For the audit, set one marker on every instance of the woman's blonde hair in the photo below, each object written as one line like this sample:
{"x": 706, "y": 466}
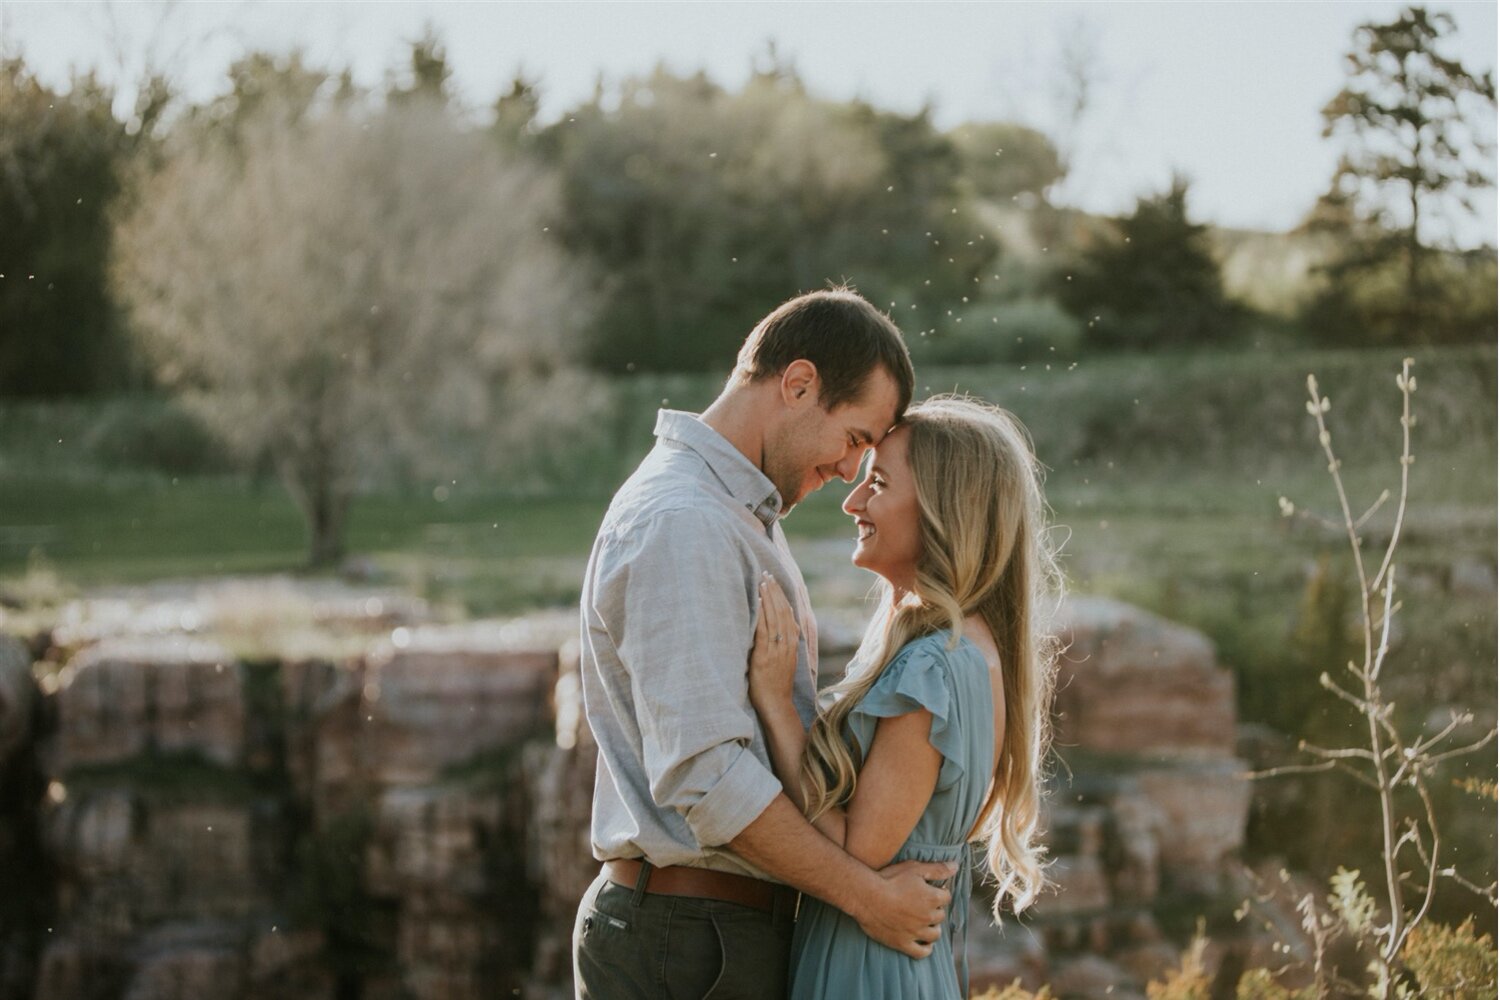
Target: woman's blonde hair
{"x": 986, "y": 550}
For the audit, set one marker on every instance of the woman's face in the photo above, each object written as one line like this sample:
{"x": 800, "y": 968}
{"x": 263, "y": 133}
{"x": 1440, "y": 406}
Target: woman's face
{"x": 884, "y": 508}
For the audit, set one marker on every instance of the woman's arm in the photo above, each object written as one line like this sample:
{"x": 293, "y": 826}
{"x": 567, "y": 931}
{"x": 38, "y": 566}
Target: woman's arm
{"x": 773, "y": 665}
{"x": 899, "y": 774}
{"x": 895, "y": 784}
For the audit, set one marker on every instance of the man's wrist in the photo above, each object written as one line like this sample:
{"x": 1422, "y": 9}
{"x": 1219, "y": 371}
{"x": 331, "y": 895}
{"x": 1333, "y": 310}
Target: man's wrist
{"x": 864, "y": 886}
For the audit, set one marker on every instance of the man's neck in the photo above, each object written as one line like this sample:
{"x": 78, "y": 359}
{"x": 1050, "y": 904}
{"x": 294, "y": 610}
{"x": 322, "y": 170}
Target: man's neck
{"x": 736, "y": 416}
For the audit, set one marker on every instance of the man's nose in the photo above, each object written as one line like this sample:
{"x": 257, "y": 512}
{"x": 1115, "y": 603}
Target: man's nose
{"x": 848, "y": 466}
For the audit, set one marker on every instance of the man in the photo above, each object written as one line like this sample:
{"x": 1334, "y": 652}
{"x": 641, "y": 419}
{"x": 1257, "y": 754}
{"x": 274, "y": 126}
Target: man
{"x": 703, "y": 852}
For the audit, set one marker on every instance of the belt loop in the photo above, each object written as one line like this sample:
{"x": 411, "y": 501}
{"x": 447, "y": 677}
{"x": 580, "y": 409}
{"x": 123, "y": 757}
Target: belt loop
{"x": 640, "y": 882}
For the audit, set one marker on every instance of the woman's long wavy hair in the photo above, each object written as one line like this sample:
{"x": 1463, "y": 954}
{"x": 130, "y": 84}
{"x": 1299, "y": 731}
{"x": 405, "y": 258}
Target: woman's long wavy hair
{"x": 986, "y": 550}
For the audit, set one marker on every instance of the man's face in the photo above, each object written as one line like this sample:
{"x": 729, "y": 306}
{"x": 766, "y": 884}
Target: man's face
{"x": 815, "y": 445}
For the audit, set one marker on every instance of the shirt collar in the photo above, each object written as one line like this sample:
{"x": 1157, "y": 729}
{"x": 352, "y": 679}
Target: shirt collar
{"x": 745, "y": 483}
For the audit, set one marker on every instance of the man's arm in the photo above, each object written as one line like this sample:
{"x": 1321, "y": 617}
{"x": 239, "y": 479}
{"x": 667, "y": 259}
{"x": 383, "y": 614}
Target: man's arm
{"x": 682, "y": 624}
{"x": 896, "y": 906}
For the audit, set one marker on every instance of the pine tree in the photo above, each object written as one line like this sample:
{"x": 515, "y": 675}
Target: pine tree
{"x": 1409, "y": 116}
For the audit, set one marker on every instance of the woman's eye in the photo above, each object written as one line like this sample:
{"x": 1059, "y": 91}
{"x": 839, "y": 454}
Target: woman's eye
{"x": 878, "y": 483}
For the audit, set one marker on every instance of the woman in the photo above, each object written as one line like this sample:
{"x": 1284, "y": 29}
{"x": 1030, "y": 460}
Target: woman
{"x": 903, "y": 760}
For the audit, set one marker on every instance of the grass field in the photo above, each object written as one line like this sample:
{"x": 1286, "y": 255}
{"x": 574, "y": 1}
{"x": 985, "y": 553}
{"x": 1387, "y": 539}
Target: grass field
{"x": 1165, "y": 471}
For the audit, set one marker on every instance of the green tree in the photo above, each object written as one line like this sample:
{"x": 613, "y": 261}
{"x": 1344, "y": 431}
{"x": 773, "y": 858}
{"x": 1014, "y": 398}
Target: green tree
{"x": 704, "y": 207}
{"x": 515, "y": 113}
{"x": 1414, "y": 124}
{"x": 262, "y": 84}
{"x": 1002, "y": 160}
{"x": 427, "y": 72}
{"x": 63, "y": 155}
{"x": 350, "y": 294}
{"x": 1153, "y": 283}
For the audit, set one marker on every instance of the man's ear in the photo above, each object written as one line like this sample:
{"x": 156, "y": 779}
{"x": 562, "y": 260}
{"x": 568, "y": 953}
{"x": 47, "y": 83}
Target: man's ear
{"x": 799, "y": 383}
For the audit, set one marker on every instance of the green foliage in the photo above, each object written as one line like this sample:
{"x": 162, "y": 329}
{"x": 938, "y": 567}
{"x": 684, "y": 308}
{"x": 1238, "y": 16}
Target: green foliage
{"x": 328, "y": 892}
{"x": 989, "y": 332}
{"x": 705, "y": 208}
{"x": 1015, "y": 991}
{"x": 1405, "y": 118}
{"x": 1452, "y": 962}
{"x": 1322, "y": 639}
{"x": 1445, "y": 962}
{"x": 153, "y": 433}
{"x": 1363, "y": 298}
{"x": 183, "y": 776}
{"x": 1260, "y": 984}
{"x": 62, "y": 155}
{"x": 1350, "y": 902}
{"x": 1001, "y": 160}
{"x": 427, "y": 72}
{"x": 1189, "y": 981}
{"x": 265, "y": 84}
{"x": 1156, "y": 284}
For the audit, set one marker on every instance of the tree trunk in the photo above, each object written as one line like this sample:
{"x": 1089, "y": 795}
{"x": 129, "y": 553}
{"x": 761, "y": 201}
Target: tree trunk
{"x": 326, "y": 520}
{"x": 1414, "y": 303}
{"x": 324, "y": 507}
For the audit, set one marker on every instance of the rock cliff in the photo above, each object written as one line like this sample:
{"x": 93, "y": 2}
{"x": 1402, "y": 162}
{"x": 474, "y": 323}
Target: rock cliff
{"x": 413, "y": 821}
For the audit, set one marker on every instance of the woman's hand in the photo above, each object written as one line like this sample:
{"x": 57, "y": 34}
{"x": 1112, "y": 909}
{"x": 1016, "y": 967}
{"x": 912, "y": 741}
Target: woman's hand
{"x": 773, "y": 658}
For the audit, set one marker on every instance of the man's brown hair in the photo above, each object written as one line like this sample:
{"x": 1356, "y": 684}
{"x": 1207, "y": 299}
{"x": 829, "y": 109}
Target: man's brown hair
{"x": 842, "y": 334}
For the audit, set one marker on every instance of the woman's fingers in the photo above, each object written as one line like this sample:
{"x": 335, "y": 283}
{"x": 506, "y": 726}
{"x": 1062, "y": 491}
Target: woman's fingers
{"x": 762, "y": 625}
{"x": 786, "y": 624}
{"x": 785, "y": 620}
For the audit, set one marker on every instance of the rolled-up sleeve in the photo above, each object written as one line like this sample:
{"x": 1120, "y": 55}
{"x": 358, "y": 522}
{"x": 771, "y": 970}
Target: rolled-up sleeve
{"x": 683, "y": 596}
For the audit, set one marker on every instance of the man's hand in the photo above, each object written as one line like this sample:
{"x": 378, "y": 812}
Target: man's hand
{"x": 909, "y": 912}
{"x": 895, "y": 906}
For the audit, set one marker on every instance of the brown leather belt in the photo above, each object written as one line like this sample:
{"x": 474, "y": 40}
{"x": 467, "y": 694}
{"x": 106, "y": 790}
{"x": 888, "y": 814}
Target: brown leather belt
{"x": 700, "y": 883}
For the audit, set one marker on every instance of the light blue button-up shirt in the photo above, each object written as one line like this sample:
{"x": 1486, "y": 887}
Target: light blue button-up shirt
{"x": 668, "y": 619}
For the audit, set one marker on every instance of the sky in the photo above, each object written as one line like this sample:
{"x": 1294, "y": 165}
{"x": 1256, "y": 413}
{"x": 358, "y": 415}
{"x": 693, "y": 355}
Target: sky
{"x": 1227, "y": 93}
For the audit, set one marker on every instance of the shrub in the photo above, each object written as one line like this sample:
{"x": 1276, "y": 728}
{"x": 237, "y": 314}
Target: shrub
{"x": 999, "y": 332}
{"x": 157, "y": 434}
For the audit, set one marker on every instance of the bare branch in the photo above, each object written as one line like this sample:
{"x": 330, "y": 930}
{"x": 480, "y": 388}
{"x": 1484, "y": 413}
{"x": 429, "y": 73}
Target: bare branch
{"x": 1385, "y": 623}
{"x": 1331, "y": 685}
{"x": 1408, "y": 385}
{"x": 1379, "y": 502}
{"x": 1398, "y": 938}
{"x": 1478, "y": 744}
{"x": 1286, "y": 769}
{"x": 1347, "y": 752}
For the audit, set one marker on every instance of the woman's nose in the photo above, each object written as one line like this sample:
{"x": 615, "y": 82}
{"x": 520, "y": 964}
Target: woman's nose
{"x": 854, "y": 503}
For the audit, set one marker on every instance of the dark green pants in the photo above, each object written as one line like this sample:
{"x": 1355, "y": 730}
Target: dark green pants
{"x": 630, "y": 945}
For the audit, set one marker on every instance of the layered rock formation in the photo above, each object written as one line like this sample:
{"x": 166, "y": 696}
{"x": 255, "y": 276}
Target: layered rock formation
{"x": 413, "y": 822}
{"x": 298, "y": 829}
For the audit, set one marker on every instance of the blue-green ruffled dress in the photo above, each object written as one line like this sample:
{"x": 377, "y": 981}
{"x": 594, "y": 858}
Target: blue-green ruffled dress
{"x": 831, "y": 956}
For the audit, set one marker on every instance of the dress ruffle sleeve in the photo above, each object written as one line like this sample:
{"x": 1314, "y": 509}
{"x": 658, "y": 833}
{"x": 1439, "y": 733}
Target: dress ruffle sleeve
{"x": 919, "y": 677}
